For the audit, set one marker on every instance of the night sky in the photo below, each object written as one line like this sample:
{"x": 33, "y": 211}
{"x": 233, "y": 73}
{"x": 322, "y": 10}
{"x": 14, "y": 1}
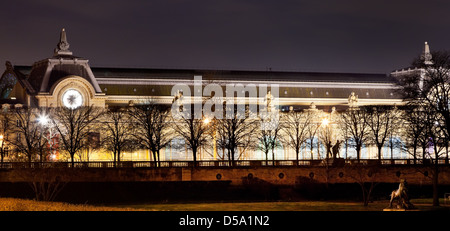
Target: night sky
{"x": 315, "y": 35}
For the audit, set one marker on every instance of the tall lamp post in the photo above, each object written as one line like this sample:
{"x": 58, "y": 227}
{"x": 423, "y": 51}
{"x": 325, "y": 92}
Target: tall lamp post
{"x": 208, "y": 121}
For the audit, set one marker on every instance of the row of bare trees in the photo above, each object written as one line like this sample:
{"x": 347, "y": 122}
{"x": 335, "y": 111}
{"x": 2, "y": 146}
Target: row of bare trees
{"x": 32, "y": 132}
{"x": 426, "y": 89}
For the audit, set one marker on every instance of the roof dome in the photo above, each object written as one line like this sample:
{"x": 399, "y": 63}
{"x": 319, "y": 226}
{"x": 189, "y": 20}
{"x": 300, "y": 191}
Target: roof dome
{"x": 45, "y": 73}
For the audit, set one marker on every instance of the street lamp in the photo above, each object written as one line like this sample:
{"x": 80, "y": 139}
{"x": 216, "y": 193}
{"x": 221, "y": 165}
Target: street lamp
{"x": 207, "y": 121}
{"x": 325, "y": 122}
{"x": 44, "y": 121}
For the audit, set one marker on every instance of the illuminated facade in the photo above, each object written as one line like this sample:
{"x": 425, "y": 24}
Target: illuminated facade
{"x": 67, "y": 80}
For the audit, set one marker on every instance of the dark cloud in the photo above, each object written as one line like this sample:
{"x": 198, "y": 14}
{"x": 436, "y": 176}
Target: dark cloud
{"x": 342, "y": 36}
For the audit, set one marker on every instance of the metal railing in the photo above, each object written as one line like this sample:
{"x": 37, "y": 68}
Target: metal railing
{"x": 214, "y": 163}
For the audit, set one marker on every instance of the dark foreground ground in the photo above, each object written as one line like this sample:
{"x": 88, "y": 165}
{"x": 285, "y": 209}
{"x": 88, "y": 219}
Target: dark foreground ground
{"x": 141, "y": 193}
{"x": 421, "y": 205}
{"x": 14, "y": 204}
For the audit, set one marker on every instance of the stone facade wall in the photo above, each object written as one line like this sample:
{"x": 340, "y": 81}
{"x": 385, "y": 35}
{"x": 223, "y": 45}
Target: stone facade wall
{"x": 237, "y": 176}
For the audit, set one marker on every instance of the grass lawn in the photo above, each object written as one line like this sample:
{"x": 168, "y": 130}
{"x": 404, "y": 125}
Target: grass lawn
{"x": 13, "y": 204}
{"x": 421, "y": 204}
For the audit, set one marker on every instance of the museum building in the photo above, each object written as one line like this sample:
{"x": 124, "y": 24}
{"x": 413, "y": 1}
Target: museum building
{"x": 68, "y": 80}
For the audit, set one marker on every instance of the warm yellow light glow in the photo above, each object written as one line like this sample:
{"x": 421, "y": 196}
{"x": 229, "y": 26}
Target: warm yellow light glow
{"x": 206, "y": 121}
{"x": 325, "y": 122}
{"x": 1, "y": 137}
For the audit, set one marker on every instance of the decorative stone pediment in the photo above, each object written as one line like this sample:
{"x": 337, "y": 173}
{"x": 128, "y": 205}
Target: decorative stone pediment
{"x": 54, "y": 98}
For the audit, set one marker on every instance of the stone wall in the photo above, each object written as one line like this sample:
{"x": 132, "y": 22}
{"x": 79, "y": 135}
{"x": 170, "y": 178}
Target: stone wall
{"x": 237, "y": 176}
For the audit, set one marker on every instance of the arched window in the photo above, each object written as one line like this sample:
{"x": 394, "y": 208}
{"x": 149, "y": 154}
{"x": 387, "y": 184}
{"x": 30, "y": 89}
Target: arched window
{"x": 348, "y": 150}
{"x": 7, "y": 83}
{"x": 176, "y": 150}
{"x": 394, "y": 148}
{"x": 278, "y": 153}
{"x": 316, "y": 148}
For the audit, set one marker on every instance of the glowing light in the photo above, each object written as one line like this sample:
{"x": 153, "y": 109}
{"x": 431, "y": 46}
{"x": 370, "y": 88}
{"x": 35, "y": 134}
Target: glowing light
{"x": 325, "y": 122}
{"x": 43, "y": 119}
{"x": 206, "y": 121}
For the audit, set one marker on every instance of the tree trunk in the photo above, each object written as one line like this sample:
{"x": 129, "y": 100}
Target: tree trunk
{"x": 380, "y": 147}
{"x": 415, "y": 153}
{"x": 267, "y": 157}
{"x": 232, "y": 157}
{"x": 72, "y": 159}
{"x": 114, "y": 159}
{"x": 365, "y": 196}
{"x": 424, "y": 148}
{"x": 358, "y": 153}
{"x": 159, "y": 161}
{"x": 155, "y": 160}
{"x": 446, "y": 153}
{"x": 273, "y": 156}
{"x": 435, "y": 185}
{"x": 194, "y": 156}
{"x": 229, "y": 157}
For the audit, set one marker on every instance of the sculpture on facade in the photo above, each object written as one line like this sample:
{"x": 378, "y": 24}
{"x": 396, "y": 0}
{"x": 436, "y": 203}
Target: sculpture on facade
{"x": 177, "y": 100}
{"x": 353, "y": 100}
{"x": 401, "y": 196}
{"x": 269, "y": 104}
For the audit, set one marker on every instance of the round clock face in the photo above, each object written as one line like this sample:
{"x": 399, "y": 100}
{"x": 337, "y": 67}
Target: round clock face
{"x": 72, "y": 99}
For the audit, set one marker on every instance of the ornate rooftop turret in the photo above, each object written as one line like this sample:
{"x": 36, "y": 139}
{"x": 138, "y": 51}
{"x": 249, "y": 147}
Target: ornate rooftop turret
{"x": 426, "y": 55}
{"x": 48, "y": 72}
{"x": 62, "y": 48}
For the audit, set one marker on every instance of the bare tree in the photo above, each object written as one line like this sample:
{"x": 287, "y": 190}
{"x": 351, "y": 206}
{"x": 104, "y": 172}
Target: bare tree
{"x": 119, "y": 132}
{"x": 194, "y": 129}
{"x": 269, "y": 136}
{"x": 366, "y": 177}
{"x": 416, "y": 129}
{"x": 296, "y": 129}
{"x": 5, "y": 130}
{"x": 152, "y": 124}
{"x": 354, "y": 124}
{"x": 381, "y": 121}
{"x": 236, "y": 132}
{"x": 46, "y": 183}
{"x": 435, "y": 130}
{"x": 29, "y": 133}
{"x": 312, "y": 132}
{"x": 74, "y": 127}
{"x": 327, "y": 137}
{"x": 429, "y": 86}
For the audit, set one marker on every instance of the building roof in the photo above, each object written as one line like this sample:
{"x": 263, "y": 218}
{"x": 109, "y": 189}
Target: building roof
{"x": 129, "y": 76}
{"x": 141, "y": 73}
{"x": 187, "y": 74}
